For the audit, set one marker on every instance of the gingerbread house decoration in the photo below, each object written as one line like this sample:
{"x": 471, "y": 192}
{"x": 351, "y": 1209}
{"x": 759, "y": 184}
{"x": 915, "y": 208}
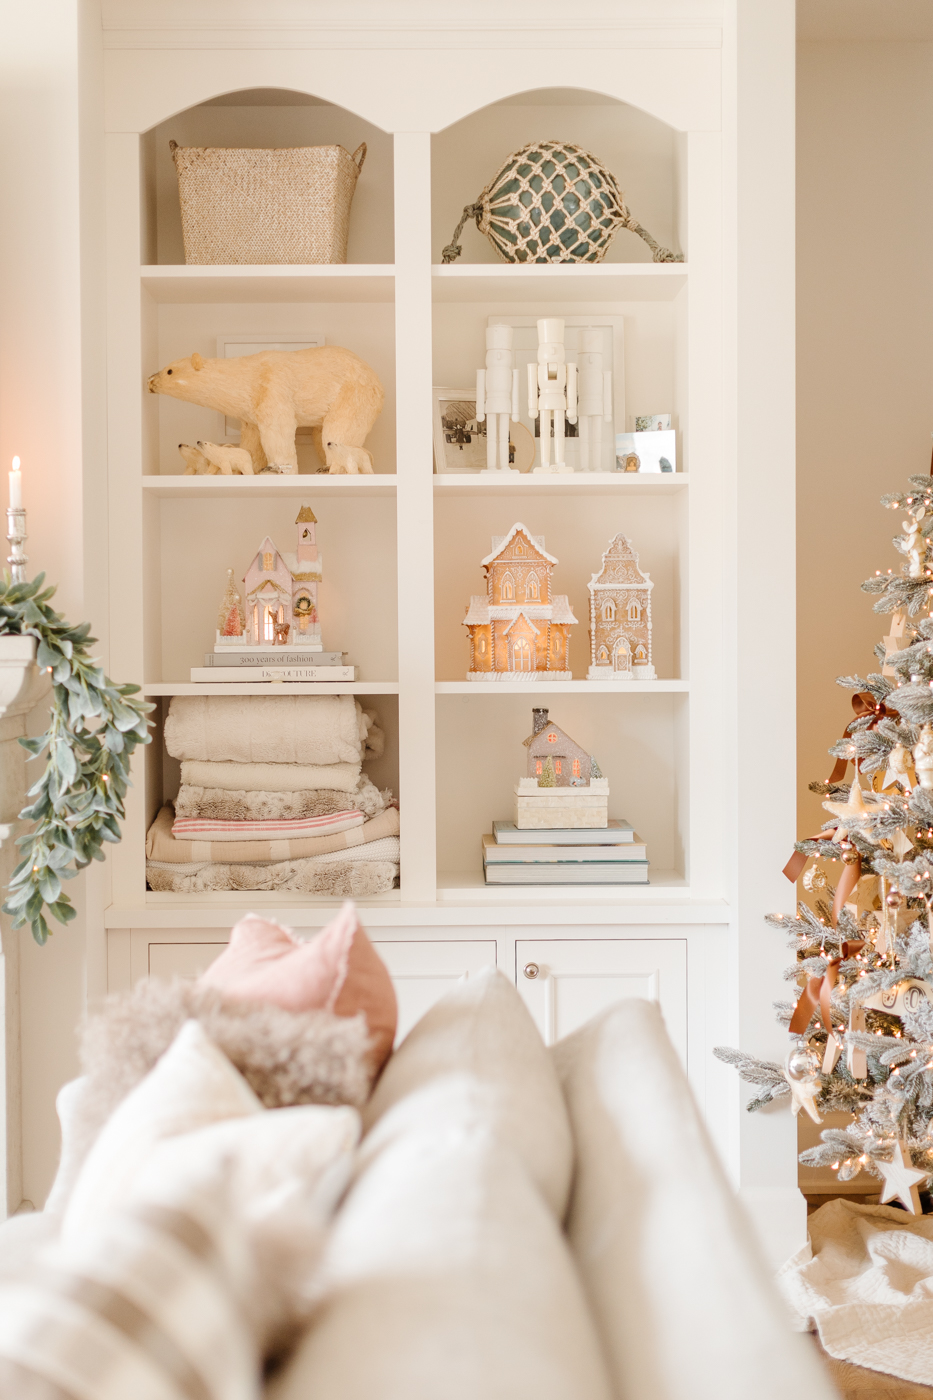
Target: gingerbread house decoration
{"x": 519, "y": 630}
{"x": 281, "y": 592}
{"x": 569, "y": 763}
{"x": 620, "y": 617}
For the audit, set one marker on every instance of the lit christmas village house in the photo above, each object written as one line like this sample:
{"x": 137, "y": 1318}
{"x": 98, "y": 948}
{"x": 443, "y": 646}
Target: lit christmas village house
{"x": 563, "y": 786}
{"x": 620, "y": 617}
{"x": 281, "y": 596}
{"x": 519, "y": 630}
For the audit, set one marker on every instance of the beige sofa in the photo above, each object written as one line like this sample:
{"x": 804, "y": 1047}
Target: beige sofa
{"x": 521, "y": 1222}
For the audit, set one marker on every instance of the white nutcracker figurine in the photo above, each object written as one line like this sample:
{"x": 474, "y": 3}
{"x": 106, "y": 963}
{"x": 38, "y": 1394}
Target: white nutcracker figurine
{"x": 594, "y": 399}
{"x": 497, "y": 397}
{"x": 552, "y": 393}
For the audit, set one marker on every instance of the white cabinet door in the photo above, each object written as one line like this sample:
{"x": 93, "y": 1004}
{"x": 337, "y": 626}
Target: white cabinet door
{"x": 424, "y": 972}
{"x": 566, "y": 982}
{"x": 182, "y": 959}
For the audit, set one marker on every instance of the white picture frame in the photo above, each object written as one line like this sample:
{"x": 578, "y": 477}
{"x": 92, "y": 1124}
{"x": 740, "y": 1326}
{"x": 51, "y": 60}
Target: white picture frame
{"x": 230, "y": 347}
{"x": 525, "y": 352}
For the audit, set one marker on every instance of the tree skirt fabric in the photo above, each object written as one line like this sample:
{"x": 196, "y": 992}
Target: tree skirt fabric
{"x": 343, "y": 878}
{"x": 866, "y": 1281}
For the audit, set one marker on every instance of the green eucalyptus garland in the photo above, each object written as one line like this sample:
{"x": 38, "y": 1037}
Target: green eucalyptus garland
{"x": 94, "y": 726}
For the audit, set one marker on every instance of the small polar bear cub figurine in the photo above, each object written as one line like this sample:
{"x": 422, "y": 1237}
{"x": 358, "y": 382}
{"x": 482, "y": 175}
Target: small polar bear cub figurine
{"x": 326, "y": 388}
{"x": 216, "y": 459}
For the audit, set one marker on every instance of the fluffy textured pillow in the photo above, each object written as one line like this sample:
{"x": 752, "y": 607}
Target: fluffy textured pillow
{"x": 482, "y": 1029}
{"x": 193, "y": 1085}
{"x": 339, "y": 971}
{"x": 445, "y": 1273}
{"x": 685, "y": 1307}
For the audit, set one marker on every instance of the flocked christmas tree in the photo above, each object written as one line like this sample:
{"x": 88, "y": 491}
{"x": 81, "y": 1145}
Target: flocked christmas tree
{"x": 862, "y": 1025}
{"x": 230, "y": 619}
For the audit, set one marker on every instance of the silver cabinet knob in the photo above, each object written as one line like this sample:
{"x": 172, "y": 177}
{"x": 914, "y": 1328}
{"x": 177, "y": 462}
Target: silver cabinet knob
{"x": 531, "y": 971}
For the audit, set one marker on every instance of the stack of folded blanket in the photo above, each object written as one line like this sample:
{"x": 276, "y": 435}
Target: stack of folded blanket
{"x": 273, "y": 797}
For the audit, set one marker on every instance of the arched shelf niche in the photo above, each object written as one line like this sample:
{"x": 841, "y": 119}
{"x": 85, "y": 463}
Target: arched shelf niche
{"x": 265, "y": 117}
{"x": 643, "y": 152}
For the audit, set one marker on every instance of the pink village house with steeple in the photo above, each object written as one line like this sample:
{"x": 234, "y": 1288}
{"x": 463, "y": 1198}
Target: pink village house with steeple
{"x": 280, "y": 592}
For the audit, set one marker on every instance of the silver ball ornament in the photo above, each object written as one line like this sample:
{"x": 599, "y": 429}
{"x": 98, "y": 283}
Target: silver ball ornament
{"x": 803, "y": 1064}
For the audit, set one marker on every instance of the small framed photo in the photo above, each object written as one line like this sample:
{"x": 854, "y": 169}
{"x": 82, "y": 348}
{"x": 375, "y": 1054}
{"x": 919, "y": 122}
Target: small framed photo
{"x": 460, "y": 438}
{"x": 654, "y": 451}
{"x": 653, "y": 423}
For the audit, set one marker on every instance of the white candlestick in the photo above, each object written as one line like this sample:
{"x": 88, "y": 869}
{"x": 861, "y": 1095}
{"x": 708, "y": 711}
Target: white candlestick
{"x": 16, "y": 486}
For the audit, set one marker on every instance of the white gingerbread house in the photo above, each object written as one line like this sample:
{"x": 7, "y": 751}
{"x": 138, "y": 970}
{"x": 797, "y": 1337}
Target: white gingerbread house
{"x": 620, "y": 617}
{"x": 280, "y": 592}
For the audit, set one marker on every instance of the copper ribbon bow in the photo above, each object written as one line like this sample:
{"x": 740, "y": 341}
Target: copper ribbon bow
{"x": 863, "y": 703}
{"x": 816, "y": 994}
{"x": 851, "y": 874}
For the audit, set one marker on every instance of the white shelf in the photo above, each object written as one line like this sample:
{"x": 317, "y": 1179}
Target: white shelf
{"x": 561, "y": 687}
{"x": 578, "y": 484}
{"x": 269, "y": 484}
{"x": 559, "y": 282}
{"x": 287, "y": 283}
{"x": 271, "y": 687}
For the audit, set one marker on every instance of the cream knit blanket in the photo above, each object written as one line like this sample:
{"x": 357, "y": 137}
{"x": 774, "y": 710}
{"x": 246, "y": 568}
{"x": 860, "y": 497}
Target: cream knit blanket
{"x": 342, "y": 878}
{"x": 315, "y": 729}
{"x": 866, "y": 1281}
{"x": 270, "y": 777}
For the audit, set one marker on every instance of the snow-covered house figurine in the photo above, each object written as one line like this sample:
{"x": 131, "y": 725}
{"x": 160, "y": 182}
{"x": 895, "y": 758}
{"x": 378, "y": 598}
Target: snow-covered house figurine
{"x": 563, "y": 786}
{"x": 519, "y": 630}
{"x": 281, "y": 594}
{"x": 620, "y": 617}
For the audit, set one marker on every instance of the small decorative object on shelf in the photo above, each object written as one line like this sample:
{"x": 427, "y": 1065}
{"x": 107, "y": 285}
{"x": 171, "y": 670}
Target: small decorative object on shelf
{"x": 16, "y": 525}
{"x": 653, "y": 423}
{"x": 518, "y": 631}
{"x": 560, "y": 788}
{"x": 552, "y": 394}
{"x": 620, "y": 617}
{"x": 497, "y": 397}
{"x": 216, "y": 459}
{"x": 552, "y": 202}
{"x": 277, "y": 637}
{"x": 654, "y": 451}
{"x": 287, "y": 205}
{"x": 594, "y": 399}
{"x": 326, "y": 388}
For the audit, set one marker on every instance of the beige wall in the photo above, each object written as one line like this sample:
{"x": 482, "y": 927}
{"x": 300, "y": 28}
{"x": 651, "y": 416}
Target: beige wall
{"x": 864, "y": 357}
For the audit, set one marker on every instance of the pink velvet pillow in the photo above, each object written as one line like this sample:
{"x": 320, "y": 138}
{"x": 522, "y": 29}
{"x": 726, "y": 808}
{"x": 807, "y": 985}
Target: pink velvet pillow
{"x": 338, "y": 971}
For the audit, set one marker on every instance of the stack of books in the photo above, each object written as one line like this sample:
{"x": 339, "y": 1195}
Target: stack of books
{"x": 610, "y": 855}
{"x": 248, "y": 664}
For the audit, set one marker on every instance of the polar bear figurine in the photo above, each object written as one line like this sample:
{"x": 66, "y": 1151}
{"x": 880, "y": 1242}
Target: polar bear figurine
{"x": 326, "y": 388}
{"x": 226, "y": 458}
{"x": 196, "y": 464}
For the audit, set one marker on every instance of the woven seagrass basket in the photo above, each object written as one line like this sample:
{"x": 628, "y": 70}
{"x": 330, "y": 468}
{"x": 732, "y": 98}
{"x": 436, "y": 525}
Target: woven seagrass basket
{"x": 552, "y": 202}
{"x": 290, "y": 205}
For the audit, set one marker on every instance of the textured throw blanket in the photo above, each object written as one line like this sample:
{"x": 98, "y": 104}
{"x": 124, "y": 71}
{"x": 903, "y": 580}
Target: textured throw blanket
{"x": 217, "y": 804}
{"x": 866, "y": 1281}
{"x": 341, "y": 878}
{"x": 316, "y": 729}
{"x": 161, "y": 845}
{"x": 206, "y": 829}
{"x": 270, "y": 777}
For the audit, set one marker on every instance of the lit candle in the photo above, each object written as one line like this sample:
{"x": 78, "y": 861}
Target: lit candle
{"x": 16, "y": 486}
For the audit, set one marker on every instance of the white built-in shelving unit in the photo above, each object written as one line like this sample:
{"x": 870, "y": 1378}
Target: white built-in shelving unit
{"x": 439, "y": 111}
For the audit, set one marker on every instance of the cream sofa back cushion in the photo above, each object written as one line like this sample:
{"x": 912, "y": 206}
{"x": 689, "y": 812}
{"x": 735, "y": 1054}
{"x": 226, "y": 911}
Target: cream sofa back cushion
{"x": 684, "y": 1304}
{"x": 446, "y": 1274}
{"x": 483, "y": 1029}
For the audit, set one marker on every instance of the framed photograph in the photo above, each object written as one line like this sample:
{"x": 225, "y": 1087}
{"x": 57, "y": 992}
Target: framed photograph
{"x": 460, "y": 439}
{"x": 653, "y": 423}
{"x": 525, "y": 352}
{"x": 229, "y": 347}
{"x": 654, "y": 451}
